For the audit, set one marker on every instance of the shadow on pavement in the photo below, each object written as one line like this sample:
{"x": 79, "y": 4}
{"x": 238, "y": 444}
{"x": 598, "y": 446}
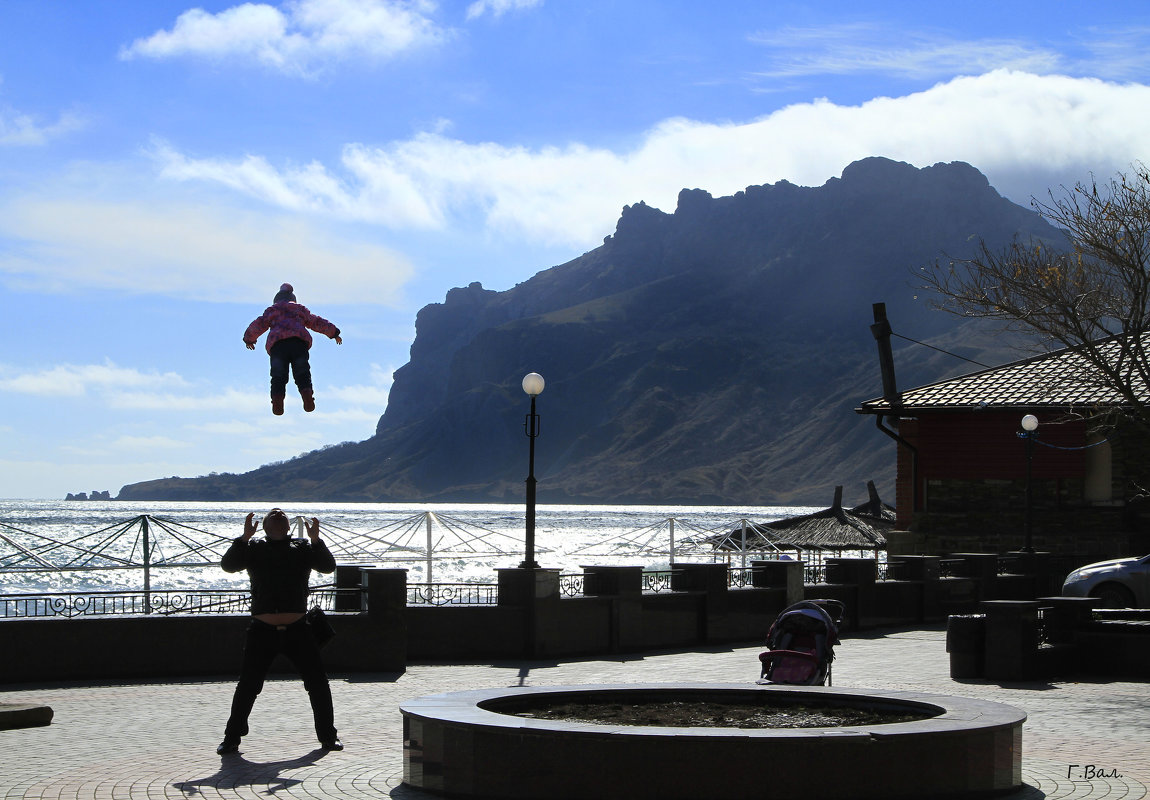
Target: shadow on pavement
{"x": 235, "y": 770}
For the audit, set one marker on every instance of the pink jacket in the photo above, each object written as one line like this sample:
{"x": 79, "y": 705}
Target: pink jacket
{"x": 286, "y": 319}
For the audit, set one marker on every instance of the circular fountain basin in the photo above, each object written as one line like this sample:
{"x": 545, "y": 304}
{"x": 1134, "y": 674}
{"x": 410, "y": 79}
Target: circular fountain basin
{"x": 472, "y": 744}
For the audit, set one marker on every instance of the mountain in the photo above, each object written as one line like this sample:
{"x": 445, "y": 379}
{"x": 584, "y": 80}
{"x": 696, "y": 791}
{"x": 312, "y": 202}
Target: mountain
{"x": 712, "y": 355}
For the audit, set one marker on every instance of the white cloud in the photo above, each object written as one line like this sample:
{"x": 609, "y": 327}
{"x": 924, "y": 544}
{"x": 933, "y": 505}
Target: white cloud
{"x": 364, "y": 419}
{"x": 137, "y": 443}
{"x": 140, "y": 444}
{"x": 138, "y": 425}
{"x": 76, "y": 380}
{"x": 129, "y": 389}
{"x": 497, "y": 8}
{"x": 259, "y": 424}
{"x": 225, "y": 428}
{"x": 870, "y": 48}
{"x": 272, "y": 447}
{"x": 1026, "y": 132}
{"x": 1117, "y": 53}
{"x": 373, "y": 395}
{"x": 299, "y": 36}
{"x": 562, "y": 195}
{"x": 379, "y": 192}
{"x": 227, "y": 400}
{"x": 18, "y": 129}
{"x": 203, "y": 252}
{"x": 851, "y": 48}
{"x": 332, "y": 421}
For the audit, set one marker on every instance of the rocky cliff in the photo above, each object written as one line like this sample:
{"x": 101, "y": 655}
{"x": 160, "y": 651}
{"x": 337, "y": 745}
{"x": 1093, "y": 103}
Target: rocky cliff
{"x": 710, "y": 355}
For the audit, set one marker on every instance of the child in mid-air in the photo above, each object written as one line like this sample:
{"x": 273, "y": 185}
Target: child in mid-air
{"x": 288, "y": 344}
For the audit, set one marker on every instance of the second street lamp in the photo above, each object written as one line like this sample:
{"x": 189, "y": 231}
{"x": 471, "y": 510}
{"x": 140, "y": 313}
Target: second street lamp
{"x": 1029, "y": 431}
{"x": 533, "y": 384}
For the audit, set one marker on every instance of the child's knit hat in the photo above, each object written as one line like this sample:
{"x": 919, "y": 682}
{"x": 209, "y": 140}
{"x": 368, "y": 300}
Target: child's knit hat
{"x": 286, "y": 292}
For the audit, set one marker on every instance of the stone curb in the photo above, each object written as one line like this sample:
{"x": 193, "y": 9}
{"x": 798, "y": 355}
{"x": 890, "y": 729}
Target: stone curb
{"x": 23, "y": 715}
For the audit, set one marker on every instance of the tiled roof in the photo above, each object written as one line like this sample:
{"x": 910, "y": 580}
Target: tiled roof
{"x": 1059, "y": 379}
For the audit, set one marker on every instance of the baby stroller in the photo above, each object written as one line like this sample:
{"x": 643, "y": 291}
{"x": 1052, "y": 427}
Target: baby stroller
{"x": 802, "y": 641}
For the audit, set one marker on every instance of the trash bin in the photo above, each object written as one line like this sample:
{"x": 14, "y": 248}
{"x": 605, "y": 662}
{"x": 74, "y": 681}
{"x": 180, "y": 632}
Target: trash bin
{"x": 966, "y": 643}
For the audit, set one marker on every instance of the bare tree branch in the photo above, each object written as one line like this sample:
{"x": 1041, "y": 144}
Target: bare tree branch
{"x": 1089, "y": 292}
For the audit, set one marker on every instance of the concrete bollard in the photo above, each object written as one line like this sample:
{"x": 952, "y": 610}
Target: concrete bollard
{"x": 1011, "y": 639}
{"x": 966, "y": 644}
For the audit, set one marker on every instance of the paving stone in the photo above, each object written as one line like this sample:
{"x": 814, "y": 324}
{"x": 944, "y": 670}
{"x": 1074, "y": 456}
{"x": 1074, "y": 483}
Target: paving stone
{"x": 147, "y": 741}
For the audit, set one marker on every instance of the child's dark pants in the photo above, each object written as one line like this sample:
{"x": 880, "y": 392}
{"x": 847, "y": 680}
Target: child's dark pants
{"x": 290, "y": 352}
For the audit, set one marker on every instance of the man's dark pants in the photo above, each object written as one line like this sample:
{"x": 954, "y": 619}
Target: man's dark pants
{"x": 291, "y": 352}
{"x": 294, "y": 641}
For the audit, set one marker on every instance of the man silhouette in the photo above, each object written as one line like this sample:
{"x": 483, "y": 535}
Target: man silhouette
{"x": 278, "y": 568}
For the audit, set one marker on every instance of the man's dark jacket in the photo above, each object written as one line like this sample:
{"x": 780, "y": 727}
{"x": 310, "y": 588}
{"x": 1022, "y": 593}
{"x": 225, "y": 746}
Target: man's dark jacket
{"x": 279, "y": 570}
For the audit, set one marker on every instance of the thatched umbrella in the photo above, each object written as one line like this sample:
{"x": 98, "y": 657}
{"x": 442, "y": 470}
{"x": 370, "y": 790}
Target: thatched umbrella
{"x": 874, "y": 510}
{"x": 834, "y": 529}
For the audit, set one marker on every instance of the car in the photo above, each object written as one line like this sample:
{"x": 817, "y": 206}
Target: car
{"x": 1118, "y": 583}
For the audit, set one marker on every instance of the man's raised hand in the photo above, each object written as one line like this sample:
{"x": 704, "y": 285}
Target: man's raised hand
{"x": 250, "y": 525}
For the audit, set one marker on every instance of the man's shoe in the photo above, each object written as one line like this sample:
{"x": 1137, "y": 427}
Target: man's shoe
{"x": 227, "y": 748}
{"x": 278, "y": 406}
{"x": 332, "y": 744}
{"x": 308, "y": 400}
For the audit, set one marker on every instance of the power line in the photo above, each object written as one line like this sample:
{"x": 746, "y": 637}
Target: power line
{"x": 979, "y": 363}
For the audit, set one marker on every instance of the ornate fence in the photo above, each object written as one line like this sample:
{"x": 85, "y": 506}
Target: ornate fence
{"x": 740, "y": 577}
{"x": 444, "y": 594}
{"x": 85, "y": 604}
{"x": 572, "y": 584}
{"x": 328, "y": 597}
{"x": 657, "y": 581}
{"x": 162, "y": 602}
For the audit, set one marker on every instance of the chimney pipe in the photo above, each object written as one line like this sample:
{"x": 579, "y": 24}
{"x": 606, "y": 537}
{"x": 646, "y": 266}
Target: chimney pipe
{"x": 881, "y": 331}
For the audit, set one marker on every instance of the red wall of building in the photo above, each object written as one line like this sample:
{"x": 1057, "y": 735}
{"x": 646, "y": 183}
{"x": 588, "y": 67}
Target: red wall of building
{"x": 978, "y": 445}
{"x": 985, "y": 444}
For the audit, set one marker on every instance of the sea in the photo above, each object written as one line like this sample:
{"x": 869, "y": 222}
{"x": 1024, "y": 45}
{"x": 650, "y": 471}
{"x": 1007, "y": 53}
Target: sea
{"x": 86, "y": 546}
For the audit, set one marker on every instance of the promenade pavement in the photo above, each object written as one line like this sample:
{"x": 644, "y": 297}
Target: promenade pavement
{"x": 146, "y": 741}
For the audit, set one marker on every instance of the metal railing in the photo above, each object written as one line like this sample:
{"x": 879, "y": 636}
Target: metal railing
{"x": 572, "y": 584}
{"x": 93, "y": 604}
{"x": 815, "y": 573}
{"x": 330, "y": 598}
{"x": 446, "y": 594}
{"x": 1007, "y": 565}
{"x": 1043, "y": 628}
{"x": 656, "y": 581}
{"x": 740, "y": 577}
{"x": 163, "y": 602}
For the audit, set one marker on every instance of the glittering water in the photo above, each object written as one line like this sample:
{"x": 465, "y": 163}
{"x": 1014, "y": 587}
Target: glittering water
{"x": 58, "y": 546}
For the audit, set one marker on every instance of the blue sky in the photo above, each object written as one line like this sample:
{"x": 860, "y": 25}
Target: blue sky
{"x": 165, "y": 166}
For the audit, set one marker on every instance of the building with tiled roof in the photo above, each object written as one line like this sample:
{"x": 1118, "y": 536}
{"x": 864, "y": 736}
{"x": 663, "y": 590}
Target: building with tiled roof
{"x": 1059, "y": 380}
{"x": 964, "y": 461}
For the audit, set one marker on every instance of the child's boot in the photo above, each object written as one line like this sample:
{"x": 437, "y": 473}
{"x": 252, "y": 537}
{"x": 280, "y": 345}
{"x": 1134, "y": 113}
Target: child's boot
{"x": 278, "y": 404}
{"x": 308, "y": 399}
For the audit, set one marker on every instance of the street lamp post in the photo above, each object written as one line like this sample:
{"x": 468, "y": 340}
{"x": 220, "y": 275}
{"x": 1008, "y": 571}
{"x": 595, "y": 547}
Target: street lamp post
{"x": 1030, "y": 429}
{"x": 533, "y": 385}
